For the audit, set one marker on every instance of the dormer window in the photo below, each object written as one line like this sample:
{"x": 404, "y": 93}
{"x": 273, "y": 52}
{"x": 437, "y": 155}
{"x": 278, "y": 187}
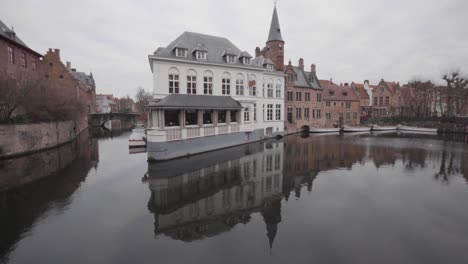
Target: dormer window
{"x": 269, "y": 67}
{"x": 332, "y": 93}
{"x": 231, "y": 58}
{"x": 181, "y": 52}
{"x": 201, "y": 55}
{"x": 245, "y": 60}
{"x": 345, "y": 94}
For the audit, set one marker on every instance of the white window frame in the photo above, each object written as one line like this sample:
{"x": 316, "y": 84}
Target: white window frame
{"x": 278, "y": 90}
{"x": 181, "y": 52}
{"x": 191, "y": 84}
{"x": 226, "y": 86}
{"x": 270, "y": 67}
{"x": 231, "y": 58}
{"x": 246, "y": 60}
{"x": 247, "y": 115}
{"x": 174, "y": 83}
{"x": 239, "y": 86}
{"x": 269, "y": 112}
{"x": 278, "y": 112}
{"x": 270, "y": 90}
{"x": 207, "y": 85}
{"x": 201, "y": 55}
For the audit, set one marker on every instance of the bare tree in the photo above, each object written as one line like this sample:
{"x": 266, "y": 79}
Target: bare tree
{"x": 456, "y": 92}
{"x": 142, "y": 99}
{"x": 422, "y": 97}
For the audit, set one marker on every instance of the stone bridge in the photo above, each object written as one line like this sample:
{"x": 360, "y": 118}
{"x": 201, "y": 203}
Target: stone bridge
{"x": 114, "y": 120}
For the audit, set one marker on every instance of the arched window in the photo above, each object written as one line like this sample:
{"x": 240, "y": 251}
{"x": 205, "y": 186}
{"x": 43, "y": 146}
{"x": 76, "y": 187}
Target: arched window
{"x": 240, "y": 84}
{"x": 247, "y": 114}
{"x": 191, "y": 82}
{"x": 173, "y": 80}
{"x": 278, "y": 89}
{"x": 208, "y": 82}
{"x": 252, "y": 85}
{"x": 226, "y": 84}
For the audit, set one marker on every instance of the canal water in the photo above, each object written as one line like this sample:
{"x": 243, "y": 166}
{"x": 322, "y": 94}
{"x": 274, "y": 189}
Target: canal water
{"x": 371, "y": 198}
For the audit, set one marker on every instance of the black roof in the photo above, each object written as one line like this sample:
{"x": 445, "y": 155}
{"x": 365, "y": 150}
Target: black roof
{"x": 189, "y": 101}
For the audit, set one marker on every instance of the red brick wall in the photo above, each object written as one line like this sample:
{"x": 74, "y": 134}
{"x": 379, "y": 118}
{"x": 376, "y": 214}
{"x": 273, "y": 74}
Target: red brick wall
{"x": 16, "y": 68}
{"x": 338, "y": 109}
{"x": 274, "y": 50}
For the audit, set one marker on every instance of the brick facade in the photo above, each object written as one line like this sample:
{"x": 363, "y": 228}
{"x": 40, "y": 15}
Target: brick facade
{"x": 341, "y": 106}
{"x": 15, "y": 57}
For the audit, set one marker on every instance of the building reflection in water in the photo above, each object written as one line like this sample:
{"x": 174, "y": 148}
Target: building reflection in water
{"x": 35, "y": 184}
{"x": 208, "y": 194}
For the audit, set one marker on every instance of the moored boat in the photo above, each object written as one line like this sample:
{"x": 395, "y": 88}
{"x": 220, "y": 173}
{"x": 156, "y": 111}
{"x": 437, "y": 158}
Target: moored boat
{"x": 324, "y": 130}
{"x": 137, "y": 139}
{"x": 417, "y": 129}
{"x": 355, "y": 129}
{"x": 383, "y": 128}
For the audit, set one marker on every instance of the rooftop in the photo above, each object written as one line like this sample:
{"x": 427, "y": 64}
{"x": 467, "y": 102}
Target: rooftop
{"x": 189, "y": 101}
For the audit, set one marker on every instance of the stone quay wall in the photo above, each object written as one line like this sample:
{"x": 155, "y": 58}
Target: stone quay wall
{"x": 443, "y": 124}
{"x": 22, "y": 139}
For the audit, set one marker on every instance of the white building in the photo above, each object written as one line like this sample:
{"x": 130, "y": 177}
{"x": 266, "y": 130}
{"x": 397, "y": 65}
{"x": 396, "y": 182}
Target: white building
{"x": 104, "y": 103}
{"x": 210, "y": 95}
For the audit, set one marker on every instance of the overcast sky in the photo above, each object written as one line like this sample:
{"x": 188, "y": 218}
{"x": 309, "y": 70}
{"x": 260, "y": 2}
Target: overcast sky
{"x": 348, "y": 40}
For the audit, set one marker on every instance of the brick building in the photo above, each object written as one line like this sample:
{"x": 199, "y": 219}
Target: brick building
{"x": 391, "y": 99}
{"x": 67, "y": 82}
{"x": 302, "y": 88}
{"x": 364, "y": 98}
{"x": 341, "y": 106}
{"x": 16, "y": 58}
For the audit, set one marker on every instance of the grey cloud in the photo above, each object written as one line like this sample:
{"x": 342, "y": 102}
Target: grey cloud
{"x": 348, "y": 40}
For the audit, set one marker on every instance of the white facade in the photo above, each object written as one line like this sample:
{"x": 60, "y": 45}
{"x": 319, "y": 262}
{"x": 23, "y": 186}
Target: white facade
{"x": 104, "y": 104}
{"x": 265, "y": 108}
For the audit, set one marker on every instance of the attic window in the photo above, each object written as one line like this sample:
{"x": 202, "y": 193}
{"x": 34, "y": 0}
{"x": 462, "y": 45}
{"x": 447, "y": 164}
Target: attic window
{"x": 345, "y": 93}
{"x": 201, "y": 55}
{"x": 231, "y": 58}
{"x": 181, "y": 52}
{"x": 332, "y": 93}
{"x": 269, "y": 67}
{"x": 246, "y": 60}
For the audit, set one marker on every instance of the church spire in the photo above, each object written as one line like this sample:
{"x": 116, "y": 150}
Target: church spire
{"x": 275, "y": 30}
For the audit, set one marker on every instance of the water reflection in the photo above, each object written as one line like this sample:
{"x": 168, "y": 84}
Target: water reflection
{"x": 210, "y": 193}
{"x": 56, "y": 174}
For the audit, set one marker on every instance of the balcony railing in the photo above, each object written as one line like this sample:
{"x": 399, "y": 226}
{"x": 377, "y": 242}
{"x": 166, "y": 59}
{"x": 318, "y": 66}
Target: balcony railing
{"x": 178, "y": 133}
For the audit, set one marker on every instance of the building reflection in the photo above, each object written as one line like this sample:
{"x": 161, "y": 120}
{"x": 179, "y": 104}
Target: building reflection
{"x": 209, "y": 194}
{"x": 37, "y": 183}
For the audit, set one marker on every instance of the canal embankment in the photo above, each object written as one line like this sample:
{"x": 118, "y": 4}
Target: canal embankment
{"x": 23, "y": 139}
{"x": 443, "y": 124}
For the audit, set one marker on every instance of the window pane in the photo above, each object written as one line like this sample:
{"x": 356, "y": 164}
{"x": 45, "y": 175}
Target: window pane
{"x": 191, "y": 117}
{"x": 233, "y": 116}
{"x": 171, "y": 118}
{"x": 222, "y": 116}
{"x": 207, "y": 117}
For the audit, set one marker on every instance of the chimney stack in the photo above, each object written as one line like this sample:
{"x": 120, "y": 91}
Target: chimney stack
{"x": 366, "y": 81}
{"x": 331, "y": 81}
{"x": 68, "y": 66}
{"x": 312, "y": 69}
{"x": 57, "y": 51}
{"x": 301, "y": 63}
{"x": 257, "y": 52}
{"x": 346, "y": 84}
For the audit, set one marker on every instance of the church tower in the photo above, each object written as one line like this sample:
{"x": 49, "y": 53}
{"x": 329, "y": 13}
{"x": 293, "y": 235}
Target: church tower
{"x": 274, "y": 49}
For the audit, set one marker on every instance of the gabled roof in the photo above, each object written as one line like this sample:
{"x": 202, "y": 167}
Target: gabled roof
{"x": 7, "y": 33}
{"x": 245, "y": 54}
{"x": 216, "y": 48}
{"x": 305, "y": 79}
{"x": 189, "y": 101}
{"x": 325, "y": 82}
{"x": 339, "y": 93}
{"x": 260, "y": 61}
{"x": 84, "y": 78}
{"x": 275, "y": 30}
{"x": 200, "y": 47}
{"x": 361, "y": 92}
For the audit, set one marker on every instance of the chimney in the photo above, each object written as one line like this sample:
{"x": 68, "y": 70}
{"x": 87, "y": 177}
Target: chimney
{"x": 301, "y": 63}
{"x": 289, "y": 63}
{"x": 257, "y": 52}
{"x": 68, "y": 66}
{"x": 57, "y": 51}
{"x": 73, "y": 70}
{"x": 341, "y": 84}
{"x": 331, "y": 81}
{"x": 346, "y": 84}
{"x": 366, "y": 81}
{"x": 312, "y": 69}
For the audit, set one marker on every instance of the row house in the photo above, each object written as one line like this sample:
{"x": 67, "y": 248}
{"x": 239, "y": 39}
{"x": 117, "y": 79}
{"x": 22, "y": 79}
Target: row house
{"x": 106, "y": 103}
{"x": 209, "y": 94}
{"x": 364, "y": 98}
{"x": 67, "y": 81}
{"x": 341, "y": 106}
{"x": 391, "y": 99}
